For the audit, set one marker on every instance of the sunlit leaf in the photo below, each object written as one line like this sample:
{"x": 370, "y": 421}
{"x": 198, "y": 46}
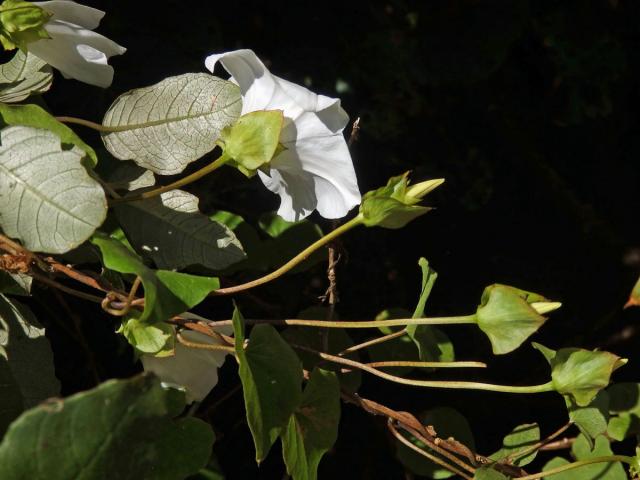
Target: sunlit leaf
{"x": 592, "y": 419}
{"x": 23, "y": 75}
{"x": 168, "y": 125}
{"x": 47, "y": 198}
{"x": 518, "y": 440}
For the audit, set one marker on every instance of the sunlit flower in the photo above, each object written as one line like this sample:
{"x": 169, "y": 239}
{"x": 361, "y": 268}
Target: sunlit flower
{"x": 193, "y": 369}
{"x": 73, "y": 48}
{"x": 315, "y": 170}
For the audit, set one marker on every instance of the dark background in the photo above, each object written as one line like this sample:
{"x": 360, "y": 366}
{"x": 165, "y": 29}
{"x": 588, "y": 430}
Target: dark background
{"x": 528, "y": 109}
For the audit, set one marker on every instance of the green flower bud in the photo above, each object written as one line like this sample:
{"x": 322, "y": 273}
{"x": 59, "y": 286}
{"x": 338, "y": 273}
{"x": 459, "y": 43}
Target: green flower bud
{"x": 580, "y": 373}
{"x": 508, "y": 316}
{"x": 253, "y": 140}
{"x": 395, "y": 204}
{"x": 21, "y": 22}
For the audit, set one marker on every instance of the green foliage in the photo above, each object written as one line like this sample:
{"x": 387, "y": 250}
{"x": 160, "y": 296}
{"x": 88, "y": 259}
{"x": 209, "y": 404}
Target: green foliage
{"x": 518, "y": 441}
{"x": 624, "y": 406}
{"x": 313, "y": 428}
{"x": 27, "y": 375}
{"x": 148, "y": 337}
{"x": 180, "y": 111}
{"x": 447, "y": 423}
{"x": 488, "y": 473}
{"x": 22, "y": 76}
{"x": 15, "y": 283}
{"x": 48, "y": 216}
{"x": 271, "y": 374}
{"x": 508, "y": 316}
{"x": 167, "y": 293}
{"x": 580, "y": 373}
{"x": 581, "y": 450}
{"x": 34, "y": 116}
{"x": 136, "y": 436}
{"x": 171, "y": 230}
{"x": 251, "y": 142}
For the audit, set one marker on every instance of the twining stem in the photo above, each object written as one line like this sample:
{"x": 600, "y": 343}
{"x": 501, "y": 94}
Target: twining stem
{"x": 203, "y": 346}
{"x": 403, "y": 363}
{"x": 465, "y": 319}
{"x": 303, "y": 255}
{"x": 373, "y": 341}
{"x": 424, "y": 453}
{"x": 197, "y": 175}
{"x": 457, "y": 385}
{"x": 578, "y": 464}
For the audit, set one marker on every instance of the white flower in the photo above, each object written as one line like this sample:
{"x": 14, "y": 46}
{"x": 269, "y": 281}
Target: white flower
{"x": 193, "y": 369}
{"x": 315, "y": 171}
{"x": 73, "y": 48}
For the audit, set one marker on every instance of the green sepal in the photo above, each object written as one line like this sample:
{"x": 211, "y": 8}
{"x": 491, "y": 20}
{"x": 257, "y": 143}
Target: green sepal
{"x": 395, "y": 204}
{"x": 22, "y": 23}
{"x": 253, "y": 140}
{"x": 152, "y": 338}
{"x": 580, "y": 373}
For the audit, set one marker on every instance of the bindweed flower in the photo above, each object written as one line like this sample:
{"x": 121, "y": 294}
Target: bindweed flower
{"x": 193, "y": 369}
{"x": 313, "y": 170}
{"x": 580, "y": 373}
{"x": 64, "y": 39}
{"x": 396, "y": 204}
{"x": 508, "y": 316}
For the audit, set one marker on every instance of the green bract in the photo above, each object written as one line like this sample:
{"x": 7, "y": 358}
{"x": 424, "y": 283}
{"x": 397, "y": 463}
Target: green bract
{"x": 20, "y": 23}
{"x": 580, "y": 373}
{"x": 508, "y": 316}
{"x": 395, "y": 204}
{"x": 252, "y": 141}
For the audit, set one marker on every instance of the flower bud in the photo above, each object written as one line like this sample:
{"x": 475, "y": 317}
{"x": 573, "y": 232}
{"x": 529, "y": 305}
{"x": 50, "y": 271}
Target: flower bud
{"x": 508, "y": 316}
{"x": 580, "y": 373}
{"x": 394, "y": 205}
{"x": 252, "y": 141}
{"x": 21, "y": 22}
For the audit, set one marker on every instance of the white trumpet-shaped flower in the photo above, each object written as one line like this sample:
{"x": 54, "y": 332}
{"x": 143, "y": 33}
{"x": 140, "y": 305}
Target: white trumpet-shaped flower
{"x": 193, "y": 369}
{"x": 73, "y": 48}
{"x": 314, "y": 171}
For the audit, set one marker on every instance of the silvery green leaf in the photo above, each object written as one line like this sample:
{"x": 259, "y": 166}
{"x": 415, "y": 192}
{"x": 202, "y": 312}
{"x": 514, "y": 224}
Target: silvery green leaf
{"x": 168, "y": 125}
{"x": 172, "y": 231}
{"x": 23, "y": 75}
{"x": 47, "y": 198}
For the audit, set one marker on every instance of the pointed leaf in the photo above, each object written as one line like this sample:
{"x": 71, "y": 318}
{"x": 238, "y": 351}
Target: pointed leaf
{"x": 271, "y": 375}
{"x": 24, "y": 75}
{"x": 166, "y": 293}
{"x": 581, "y": 450}
{"x": 47, "y": 199}
{"x": 168, "y": 125}
{"x": 171, "y": 229}
{"x": 313, "y": 428}
{"x": 121, "y": 429}
{"x": 592, "y": 420}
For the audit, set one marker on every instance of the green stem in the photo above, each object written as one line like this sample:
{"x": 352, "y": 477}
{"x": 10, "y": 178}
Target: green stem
{"x": 457, "y": 385}
{"x": 355, "y": 221}
{"x": 177, "y": 184}
{"x": 580, "y": 463}
{"x": 89, "y": 124}
{"x": 466, "y": 319}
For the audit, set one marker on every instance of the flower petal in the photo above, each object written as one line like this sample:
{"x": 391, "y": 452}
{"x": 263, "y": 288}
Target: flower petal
{"x": 194, "y": 369}
{"x": 295, "y": 188}
{"x": 73, "y": 12}
{"x": 78, "y": 53}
